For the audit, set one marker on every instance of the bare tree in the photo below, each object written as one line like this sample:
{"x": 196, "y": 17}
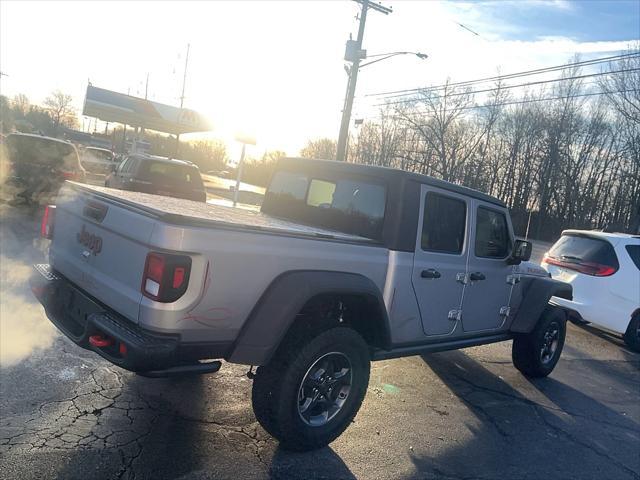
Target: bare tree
{"x": 21, "y": 104}
{"x": 322, "y": 148}
{"x": 60, "y": 108}
{"x": 623, "y": 89}
{"x": 573, "y": 161}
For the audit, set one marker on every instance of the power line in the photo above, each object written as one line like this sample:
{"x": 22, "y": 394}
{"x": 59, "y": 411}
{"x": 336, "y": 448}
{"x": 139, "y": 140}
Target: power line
{"x": 508, "y": 87}
{"x": 520, "y": 102}
{"x": 537, "y": 71}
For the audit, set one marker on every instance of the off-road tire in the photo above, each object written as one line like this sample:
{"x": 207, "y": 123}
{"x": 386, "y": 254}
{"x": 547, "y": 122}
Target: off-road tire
{"x": 526, "y": 351}
{"x": 631, "y": 336}
{"x": 276, "y": 387}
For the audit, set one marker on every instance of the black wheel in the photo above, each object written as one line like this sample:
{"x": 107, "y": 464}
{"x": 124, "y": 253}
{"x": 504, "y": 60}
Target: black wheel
{"x": 311, "y": 391}
{"x": 577, "y": 321}
{"x": 632, "y": 335}
{"x": 536, "y": 353}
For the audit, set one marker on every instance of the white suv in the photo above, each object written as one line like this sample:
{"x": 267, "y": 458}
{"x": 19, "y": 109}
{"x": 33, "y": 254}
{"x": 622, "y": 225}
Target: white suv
{"x": 604, "y": 271}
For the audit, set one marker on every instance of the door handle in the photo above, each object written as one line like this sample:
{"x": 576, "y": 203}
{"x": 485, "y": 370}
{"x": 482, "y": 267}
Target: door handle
{"x": 430, "y": 273}
{"x": 477, "y": 276}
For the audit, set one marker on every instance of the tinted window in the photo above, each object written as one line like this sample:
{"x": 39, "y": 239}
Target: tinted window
{"x": 345, "y": 205}
{"x": 293, "y": 185}
{"x": 444, "y": 224}
{"x": 634, "y": 253}
{"x": 132, "y": 165}
{"x": 492, "y": 234}
{"x": 585, "y": 249}
{"x": 171, "y": 173}
{"x": 25, "y": 149}
{"x": 123, "y": 166}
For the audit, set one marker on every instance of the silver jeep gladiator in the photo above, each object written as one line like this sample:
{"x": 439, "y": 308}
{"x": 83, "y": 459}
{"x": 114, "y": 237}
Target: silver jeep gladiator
{"x": 343, "y": 265}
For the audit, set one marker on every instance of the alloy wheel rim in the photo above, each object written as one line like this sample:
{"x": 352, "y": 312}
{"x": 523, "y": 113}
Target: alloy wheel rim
{"x": 550, "y": 342}
{"x": 324, "y": 389}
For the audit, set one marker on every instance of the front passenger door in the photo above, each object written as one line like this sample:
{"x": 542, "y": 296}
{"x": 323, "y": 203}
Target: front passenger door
{"x": 487, "y": 293}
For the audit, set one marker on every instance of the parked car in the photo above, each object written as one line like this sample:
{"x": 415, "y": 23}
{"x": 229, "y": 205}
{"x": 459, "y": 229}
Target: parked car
{"x": 160, "y": 176}
{"x": 98, "y": 160}
{"x": 39, "y": 165}
{"x": 344, "y": 264}
{"x": 604, "y": 270}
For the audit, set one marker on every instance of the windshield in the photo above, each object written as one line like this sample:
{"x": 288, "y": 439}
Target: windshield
{"x": 345, "y": 205}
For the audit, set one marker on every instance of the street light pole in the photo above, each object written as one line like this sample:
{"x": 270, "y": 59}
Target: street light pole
{"x": 184, "y": 82}
{"x": 351, "y": 88}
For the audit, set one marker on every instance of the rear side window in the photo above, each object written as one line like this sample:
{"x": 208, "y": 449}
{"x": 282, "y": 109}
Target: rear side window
{"x": 123, "y": 165}
{"x": 444, "y": 224}
{"x": 634, "y": 253}
{"x": 492, "y": 234}
{"x": 581, "y": 248}
{"x": 131, "y": 165}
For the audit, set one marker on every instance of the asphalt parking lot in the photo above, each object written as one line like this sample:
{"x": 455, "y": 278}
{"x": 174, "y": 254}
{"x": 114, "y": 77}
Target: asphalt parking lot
{"x": 66, "y": 413}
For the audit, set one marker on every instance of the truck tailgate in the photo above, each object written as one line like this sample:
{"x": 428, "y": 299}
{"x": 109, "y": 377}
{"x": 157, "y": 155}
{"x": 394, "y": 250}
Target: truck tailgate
{"x": 101, "y": 247}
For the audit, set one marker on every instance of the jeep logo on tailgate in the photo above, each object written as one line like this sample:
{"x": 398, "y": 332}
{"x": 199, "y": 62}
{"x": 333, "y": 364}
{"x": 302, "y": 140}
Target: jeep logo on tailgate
{"x": 89, "y": 240}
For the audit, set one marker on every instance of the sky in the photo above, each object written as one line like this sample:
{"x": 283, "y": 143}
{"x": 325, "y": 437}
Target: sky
{"x": 274, "y": 69}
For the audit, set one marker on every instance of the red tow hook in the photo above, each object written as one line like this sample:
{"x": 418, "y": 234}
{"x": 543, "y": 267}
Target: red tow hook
{"x": 100, "y": 341}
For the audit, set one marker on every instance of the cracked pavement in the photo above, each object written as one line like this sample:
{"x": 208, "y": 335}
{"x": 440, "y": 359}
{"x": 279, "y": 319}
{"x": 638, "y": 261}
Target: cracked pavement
{"x": 66, "y": 413}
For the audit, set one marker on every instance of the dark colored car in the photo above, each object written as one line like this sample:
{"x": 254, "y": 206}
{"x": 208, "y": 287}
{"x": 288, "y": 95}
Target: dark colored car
{"x": 39, "y": 165}
{"x": 159, "y": 176}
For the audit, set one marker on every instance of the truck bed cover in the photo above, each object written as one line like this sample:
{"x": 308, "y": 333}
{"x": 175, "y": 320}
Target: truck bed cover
{"x": 181, "y": 212}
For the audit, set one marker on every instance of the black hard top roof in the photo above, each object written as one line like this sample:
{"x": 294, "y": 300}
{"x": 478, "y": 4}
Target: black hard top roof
{"x": 390, "y": 175}
{"x": 40, "y": 137}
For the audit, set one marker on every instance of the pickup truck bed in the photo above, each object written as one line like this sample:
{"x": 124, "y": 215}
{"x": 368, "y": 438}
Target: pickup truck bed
{"x": 178, "y": 211}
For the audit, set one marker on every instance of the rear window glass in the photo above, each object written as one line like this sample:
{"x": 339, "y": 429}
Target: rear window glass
{"x": 585, "y": 249}
{"x": 99, "y": 155}
{"x": 42, "y": 151}
{"x": 170, "y": 173}
{"x": 634, "y": 253}
{"x": 346, "y": 205}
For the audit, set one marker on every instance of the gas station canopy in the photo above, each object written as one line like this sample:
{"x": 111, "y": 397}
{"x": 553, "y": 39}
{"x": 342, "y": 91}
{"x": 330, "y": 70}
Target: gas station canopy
{"x": 110, "y": 106}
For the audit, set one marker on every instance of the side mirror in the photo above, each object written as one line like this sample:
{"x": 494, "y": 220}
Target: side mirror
{"x": 521, "y": 252}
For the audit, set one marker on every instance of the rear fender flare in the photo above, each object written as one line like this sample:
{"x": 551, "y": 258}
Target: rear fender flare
{"x": 285, "y": 297}
{"x": 536, "y": 293}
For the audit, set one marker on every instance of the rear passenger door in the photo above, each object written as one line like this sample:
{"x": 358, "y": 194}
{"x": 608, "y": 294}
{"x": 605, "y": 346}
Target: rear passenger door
{"x": 440, "y": 258}
{"x": 487, "y": 293}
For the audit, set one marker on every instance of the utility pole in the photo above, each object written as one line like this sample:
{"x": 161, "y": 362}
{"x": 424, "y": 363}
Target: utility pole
{"x": 184, "y": 82}
{"x": 354, "y": 54}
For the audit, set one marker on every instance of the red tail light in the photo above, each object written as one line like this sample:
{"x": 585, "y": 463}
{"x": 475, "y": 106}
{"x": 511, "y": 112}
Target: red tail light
{"x": 71, "y": 175}
{"x": 588, "y": 268}
{"x": 166, "y": 276}
{"x": 46, "y": 227}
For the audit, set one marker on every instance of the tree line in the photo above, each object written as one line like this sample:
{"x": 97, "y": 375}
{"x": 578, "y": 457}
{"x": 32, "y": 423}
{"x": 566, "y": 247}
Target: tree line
{"x": 566, "y": 156}
{"x": 563, "y": 156}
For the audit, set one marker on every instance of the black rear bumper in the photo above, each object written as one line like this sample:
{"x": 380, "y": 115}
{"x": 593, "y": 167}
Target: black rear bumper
{"x": 81, "y": 317}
